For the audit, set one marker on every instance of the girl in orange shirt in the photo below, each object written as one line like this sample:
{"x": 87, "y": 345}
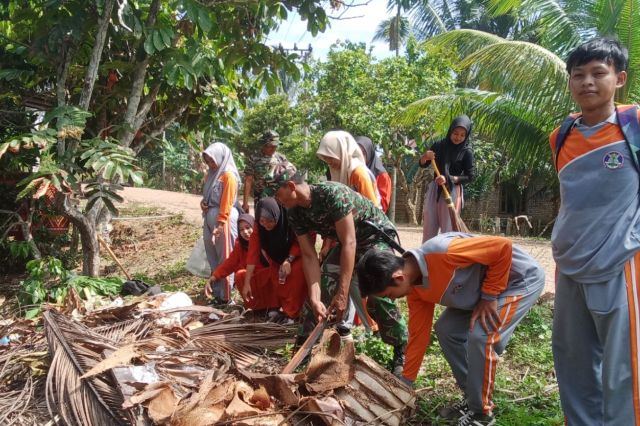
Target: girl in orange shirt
{"x": 236, "y": 263}
{"x": 383, "y": 181}
{"x": 275, "y": 239}
{"x": 347, "y": 165}
{"x": 219, "y": 230}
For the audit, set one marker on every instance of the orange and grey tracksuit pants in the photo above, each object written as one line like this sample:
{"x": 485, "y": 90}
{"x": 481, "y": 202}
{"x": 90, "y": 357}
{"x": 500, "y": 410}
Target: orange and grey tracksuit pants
{"x": 473, "y": 355}
{"x": 595, "y": 348}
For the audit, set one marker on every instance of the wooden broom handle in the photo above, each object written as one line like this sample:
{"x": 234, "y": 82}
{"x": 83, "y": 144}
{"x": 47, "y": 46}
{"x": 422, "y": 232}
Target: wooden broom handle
{"x": 447, "y": 196}
{"x": 113, "y": 256}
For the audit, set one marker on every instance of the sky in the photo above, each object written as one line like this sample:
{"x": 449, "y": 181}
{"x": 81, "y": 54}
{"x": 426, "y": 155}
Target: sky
{"x": 360, "y": 28}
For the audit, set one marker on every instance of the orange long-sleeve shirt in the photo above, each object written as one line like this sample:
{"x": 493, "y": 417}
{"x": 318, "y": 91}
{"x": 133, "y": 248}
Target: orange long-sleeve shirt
{"x": 236, "y": 261}
{"x": 383, "y": 182}
{"x": 456, "y": 272}
{"x": 361, "y": 183}
{"x": 228, "y": 197}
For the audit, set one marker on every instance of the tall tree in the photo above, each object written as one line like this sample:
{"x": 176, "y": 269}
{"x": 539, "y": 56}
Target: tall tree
{"x": 113, "y": 75}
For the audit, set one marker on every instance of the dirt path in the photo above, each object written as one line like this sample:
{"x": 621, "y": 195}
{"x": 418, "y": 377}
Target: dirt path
{"x": 188, "y": 206}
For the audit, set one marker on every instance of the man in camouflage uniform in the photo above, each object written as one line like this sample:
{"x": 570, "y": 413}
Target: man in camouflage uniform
{"x": 335, "y": 211}
{"x": 258, "y": 173}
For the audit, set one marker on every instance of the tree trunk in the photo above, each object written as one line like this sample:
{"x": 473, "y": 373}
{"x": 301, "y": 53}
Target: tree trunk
{"x": 96, "y": 53}
{"x": 61, "y": 87}
{"x": 392, "y": 202}
{"x": 90, "y": 251}
{"x": 137, "y": 85}
{"x": 86, "y": 225}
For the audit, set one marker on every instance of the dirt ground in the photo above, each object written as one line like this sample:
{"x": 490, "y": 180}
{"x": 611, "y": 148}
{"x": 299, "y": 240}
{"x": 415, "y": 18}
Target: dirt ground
{"x": 171, "y": 240}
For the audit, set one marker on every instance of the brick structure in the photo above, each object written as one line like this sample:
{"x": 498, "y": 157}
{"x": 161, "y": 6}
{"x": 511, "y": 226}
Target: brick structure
{"x": 504, "y": 202}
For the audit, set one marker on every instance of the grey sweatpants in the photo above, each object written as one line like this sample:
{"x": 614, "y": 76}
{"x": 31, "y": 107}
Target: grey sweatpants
{"x": 473, "y": 355}
{"x": 595, "y": 348}
{"x": 218, "y": 252}
{"x": 435, "y": 212}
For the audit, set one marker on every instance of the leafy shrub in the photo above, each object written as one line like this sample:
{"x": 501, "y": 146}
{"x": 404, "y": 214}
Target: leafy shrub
{"x": 49, "y": 281}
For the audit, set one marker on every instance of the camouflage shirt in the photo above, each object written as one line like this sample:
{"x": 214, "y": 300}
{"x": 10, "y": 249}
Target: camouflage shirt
{"x": 261, "y": 169}
{"x": 330, "y": 202}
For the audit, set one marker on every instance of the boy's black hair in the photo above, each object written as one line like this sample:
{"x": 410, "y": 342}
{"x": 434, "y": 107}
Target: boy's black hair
{"x": 599, "y": 49}
{"x": 375, "y": 270}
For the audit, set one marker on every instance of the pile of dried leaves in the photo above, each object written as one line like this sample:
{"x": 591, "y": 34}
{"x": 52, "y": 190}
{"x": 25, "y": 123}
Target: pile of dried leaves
{"x": 194, "y": 365}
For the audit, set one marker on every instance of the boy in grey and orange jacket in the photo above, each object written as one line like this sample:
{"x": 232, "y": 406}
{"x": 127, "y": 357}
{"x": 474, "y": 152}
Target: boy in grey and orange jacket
{"x": 487, "y": 285}
{"x": 596, "y": 244}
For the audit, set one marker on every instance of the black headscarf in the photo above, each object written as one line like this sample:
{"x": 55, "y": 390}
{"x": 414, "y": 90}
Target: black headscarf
{"x": 277, "y": 242}
{"x": 453, "y": 152}
{"x": 245, "y": 217}
{"x": 373, "y": 161}
{"x": 452, "y": 159}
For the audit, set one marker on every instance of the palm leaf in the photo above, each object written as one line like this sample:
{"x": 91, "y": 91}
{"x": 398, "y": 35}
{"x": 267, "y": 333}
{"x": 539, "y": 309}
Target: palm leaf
{"x": 428, "y": 20}
{"x": 524, "y": 71}
{"x": 388, "y": 33}
{"x": 77, "y": 401}
{"x": 464, "y": 42}
{"x": 560, "y": 25}
{"x": 626, "y": 28}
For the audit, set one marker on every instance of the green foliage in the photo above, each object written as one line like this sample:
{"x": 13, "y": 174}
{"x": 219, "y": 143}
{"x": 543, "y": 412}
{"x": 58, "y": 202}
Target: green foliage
{"x": 488, "y": 162}
{"x": 516, "y": 91}
{"x": 276, "y": 112}
{"x": 351, "y": 91}
{"x": 164, "y": 62}
{"x": 375, "y": 348}
{"x": 173, "y": 164}
{"x": 526, "y": 389}
{"x": 110, "y": 161}
{"x": 20, "y": 249}
{"x": 49, "y": 282}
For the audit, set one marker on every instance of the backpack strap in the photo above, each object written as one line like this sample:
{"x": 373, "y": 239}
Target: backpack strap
{"x": 628, "y": 121}
{"x": 565, "y": 128}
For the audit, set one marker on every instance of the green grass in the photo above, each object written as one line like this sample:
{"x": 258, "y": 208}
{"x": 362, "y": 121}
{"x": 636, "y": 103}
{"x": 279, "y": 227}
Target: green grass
{"x": 176, "y": 278}
{"x": 526, "y": 392}
{"x": 139, "y": 210}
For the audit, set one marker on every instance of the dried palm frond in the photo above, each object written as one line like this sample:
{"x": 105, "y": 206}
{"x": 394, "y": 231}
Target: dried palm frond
{"x": 75, "y": 349}
{"x": 256, "y": 336}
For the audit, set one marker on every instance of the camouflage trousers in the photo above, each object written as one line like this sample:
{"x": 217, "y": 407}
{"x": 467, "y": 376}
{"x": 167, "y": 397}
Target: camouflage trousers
{"x": 393, "y": 327}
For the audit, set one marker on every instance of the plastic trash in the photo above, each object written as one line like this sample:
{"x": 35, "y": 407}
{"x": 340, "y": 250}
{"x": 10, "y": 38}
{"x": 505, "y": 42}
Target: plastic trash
{"x": 198, "y": 264}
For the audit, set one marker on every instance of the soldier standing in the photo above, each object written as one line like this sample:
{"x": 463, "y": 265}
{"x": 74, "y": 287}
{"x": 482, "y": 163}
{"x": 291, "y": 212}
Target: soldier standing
{"x": 258, "y": 173}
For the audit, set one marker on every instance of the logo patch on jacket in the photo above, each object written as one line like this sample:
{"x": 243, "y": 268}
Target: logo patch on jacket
{"x": 613, "y": 160}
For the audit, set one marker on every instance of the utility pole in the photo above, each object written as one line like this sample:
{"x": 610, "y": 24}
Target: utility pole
{"x": 304, "y": 52}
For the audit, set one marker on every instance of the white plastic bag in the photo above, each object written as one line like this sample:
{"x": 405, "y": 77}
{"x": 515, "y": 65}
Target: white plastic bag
{"x": 198, "y": 264}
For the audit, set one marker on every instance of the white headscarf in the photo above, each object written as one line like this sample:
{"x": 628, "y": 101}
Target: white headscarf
{"x": 342, "y": 146}
{"x": 222, "y": 156}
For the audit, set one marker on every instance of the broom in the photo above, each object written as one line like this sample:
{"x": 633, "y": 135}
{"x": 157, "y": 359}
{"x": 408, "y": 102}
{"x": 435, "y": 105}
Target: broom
{"x": 456, "y": 221}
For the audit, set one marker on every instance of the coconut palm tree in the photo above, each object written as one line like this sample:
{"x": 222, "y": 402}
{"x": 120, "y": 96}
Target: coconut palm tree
{"x": 396, "y": 29}
{"x": 433, "y": 17}
{"x": 516, "y": 90}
